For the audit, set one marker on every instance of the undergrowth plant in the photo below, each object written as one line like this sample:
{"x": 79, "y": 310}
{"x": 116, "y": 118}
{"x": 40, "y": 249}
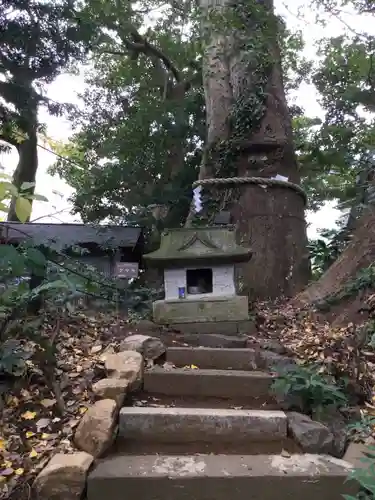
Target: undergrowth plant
{"x": 362, "y": 429}
{"x": 323, "y": 253}
{"x": 365, "y": 477}
{"x": 307, "y": 388}
{"x": 40, "y": 284}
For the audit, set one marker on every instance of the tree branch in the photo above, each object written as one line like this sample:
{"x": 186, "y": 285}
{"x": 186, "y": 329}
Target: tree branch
{"x": 141, "y": 45}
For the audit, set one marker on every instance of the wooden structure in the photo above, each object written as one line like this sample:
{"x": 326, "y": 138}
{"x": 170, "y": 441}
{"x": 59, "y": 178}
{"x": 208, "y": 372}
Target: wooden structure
{"x": 108, "y": 248}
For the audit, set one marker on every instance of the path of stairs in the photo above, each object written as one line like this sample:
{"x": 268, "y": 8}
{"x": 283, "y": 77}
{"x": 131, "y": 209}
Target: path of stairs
{"x": 211, "y": 433}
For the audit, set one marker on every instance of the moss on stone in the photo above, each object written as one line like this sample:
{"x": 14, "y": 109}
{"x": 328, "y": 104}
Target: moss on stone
{"x": 213, "y": 245}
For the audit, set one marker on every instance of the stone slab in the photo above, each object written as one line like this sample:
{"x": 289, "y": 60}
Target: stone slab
{"x": 206, "y": 357}
{"x": 220, "y": 327}
{"x": 213, "y": 340}
{"x": 179, "y": 425}
{"x": 215, "y": 383}
{"x": 204, "y": 477}
{"x": 233, "y": 308}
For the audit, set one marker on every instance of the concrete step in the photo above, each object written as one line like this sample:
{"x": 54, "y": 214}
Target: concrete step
{"x": 207, "y": 357}
{"x": 204, "y": 477}
{"x": 137, "y": 447}
{"x": 154, "y": 400}
{"x": 180, "y": 425}
{"x": 227, "y": 358}
{"x": 214, "y": 340}
{"x": 201, "y": 382}
{"x": 246, "y": 327}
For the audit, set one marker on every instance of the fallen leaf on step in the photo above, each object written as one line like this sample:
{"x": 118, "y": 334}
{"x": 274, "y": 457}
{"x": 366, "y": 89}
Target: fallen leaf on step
{"x": 96, "y": 348}
{"x": 7, "y": 472}
{"x": 28, "y": 415}
{"x": 43, "y": 423}
{"x": 47, "y": 403}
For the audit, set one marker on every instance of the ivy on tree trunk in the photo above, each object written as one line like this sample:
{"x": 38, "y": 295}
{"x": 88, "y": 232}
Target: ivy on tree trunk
{"x": 250, "y": 134}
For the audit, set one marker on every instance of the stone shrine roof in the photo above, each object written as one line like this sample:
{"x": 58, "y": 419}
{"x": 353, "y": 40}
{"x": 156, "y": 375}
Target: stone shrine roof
{"x": 196, "y": 245}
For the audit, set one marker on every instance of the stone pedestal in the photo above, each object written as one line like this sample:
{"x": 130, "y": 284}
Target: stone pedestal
{"x": 204, "y": 309}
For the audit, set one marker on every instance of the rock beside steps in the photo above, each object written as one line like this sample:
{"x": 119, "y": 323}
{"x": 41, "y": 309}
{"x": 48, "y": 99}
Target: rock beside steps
{"x": 161, "y": 456}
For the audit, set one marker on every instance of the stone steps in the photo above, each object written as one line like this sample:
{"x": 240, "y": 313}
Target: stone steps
{"x": 183, "y": 445}
{"x": 202, "y": 382}
{"x": 204, "y": 477}
{"x": 179, "y": 425}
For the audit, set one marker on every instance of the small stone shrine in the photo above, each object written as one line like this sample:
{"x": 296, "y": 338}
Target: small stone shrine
{"x": 199, "y": 283}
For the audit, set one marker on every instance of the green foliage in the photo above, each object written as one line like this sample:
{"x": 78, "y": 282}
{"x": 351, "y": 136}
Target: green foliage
{"x": 138, "y": 145}
{"x": 365, "y": 477}
{"x": 140, "y": 299}
{"x": 13, "y": 357}
{"x": 363, "y": 429}
{"x": 338, "y": 151}
{"x": 248, "y": 110}
{"x": 59, "y": 36}
{"x": 38, "y": 40}
{"x": 139, "y": 140}
{"x": 324, "y": 251}
{"x": 23, "y": 198}
{"x": 310, "y": 389}
{"x": 63, "y": 281}
{"x": 365, "y": 279}
{"x": 322, "y": 255}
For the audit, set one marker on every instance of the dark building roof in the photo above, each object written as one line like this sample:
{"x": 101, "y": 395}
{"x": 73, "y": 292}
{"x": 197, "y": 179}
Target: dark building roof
{"x": 68, "y": 235}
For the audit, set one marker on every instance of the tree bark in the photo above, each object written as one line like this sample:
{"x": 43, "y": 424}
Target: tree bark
{"x": 359, "y": 254}
{"x": 27, "y": 156}
{"x": 247, "y": 115}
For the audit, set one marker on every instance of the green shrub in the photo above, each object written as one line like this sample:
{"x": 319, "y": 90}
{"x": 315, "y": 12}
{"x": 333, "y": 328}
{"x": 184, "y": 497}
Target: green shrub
{"x": 307, "y": 387}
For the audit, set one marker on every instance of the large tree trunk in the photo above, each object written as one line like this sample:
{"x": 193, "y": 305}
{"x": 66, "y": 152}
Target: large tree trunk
{"x": 250, "y": 135}
{"x": 359, "y": 254}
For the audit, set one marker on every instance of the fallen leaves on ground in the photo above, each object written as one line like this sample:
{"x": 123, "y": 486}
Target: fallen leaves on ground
{"x": 32, "y": 428}
{"x": 336, "y": 350}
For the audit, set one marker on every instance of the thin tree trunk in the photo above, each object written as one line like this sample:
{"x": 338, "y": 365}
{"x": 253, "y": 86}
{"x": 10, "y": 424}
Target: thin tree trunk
{"x": 28, "y": 158}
